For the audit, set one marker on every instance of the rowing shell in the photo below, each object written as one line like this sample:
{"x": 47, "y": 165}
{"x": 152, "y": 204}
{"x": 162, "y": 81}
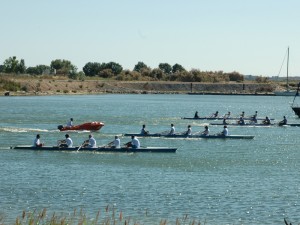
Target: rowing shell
{"x": 99, "y": 149}
{"x": 244, "y": 125}
{"x": 193, "y": 136}
{"x": 220, "y": 118}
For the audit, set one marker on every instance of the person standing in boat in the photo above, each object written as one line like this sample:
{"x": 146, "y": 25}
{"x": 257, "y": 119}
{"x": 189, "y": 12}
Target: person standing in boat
{"x": 37, "y": 142}
{"x": 172, "y": 131}
{"x": 144, "y": 131}
{"x": 206, "y": 131}
{"x": 283, "y": 122}
{"x": 67, "y": 143}
{"x": 70, "y": 123}
{"x": 90, "y": 143}
{"x": 225, "y": 131}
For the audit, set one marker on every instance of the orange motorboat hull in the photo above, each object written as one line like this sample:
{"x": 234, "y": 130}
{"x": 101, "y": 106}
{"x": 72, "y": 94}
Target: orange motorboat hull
{"x": 93, "y": 126}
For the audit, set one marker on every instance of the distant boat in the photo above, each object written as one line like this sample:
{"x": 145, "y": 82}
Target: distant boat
{"x": 287, "y": 92}
{"x": 296, "y": 108}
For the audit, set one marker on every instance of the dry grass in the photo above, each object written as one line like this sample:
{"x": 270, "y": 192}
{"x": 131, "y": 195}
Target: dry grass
{"x": 108, "y": 216}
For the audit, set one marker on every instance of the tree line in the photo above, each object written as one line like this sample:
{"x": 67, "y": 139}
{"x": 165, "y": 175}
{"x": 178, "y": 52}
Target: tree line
{"x": 113, "y": 70}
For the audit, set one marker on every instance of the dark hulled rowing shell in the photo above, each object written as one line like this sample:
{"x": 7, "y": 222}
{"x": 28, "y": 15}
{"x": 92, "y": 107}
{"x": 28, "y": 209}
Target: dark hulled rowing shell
{"x": 220, "y": 118}
{"x": 194, "y": 136}
{"x": 99, "y": 149}
{"x": 256, "y": 124}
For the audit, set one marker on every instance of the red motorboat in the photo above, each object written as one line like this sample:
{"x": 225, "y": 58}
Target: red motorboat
{"x": 92, "y": 126}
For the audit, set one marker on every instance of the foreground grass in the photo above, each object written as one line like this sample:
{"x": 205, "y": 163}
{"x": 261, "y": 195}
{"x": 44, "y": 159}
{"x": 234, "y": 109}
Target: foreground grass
{"x": 107, "y": 217}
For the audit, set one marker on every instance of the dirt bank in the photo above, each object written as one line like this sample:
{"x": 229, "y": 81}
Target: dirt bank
{"x": 59, "y": 86}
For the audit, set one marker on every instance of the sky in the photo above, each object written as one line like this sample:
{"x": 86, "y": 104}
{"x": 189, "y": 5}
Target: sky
{"x": 250, "y": 37}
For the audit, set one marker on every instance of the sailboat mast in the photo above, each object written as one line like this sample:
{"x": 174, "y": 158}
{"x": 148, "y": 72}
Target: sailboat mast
{"x": 287, "y": 69}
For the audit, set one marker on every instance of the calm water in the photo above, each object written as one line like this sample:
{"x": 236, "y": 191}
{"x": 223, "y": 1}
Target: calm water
{"x": 217, "y": 181}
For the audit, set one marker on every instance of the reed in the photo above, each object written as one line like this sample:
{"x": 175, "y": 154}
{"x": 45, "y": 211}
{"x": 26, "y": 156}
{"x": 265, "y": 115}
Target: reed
{"x": 110, "y": 216}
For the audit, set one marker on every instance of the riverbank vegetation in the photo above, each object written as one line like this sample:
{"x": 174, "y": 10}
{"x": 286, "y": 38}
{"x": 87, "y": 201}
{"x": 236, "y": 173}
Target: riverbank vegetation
{"x": 114, "y": 71}
{"x": 108, "y": 216}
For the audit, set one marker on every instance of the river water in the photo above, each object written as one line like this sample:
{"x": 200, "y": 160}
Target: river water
{"x": 213, "y": 181}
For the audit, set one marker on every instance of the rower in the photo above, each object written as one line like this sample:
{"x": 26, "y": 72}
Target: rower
{"x": 135, "y": 143}
{"x": 116, "y": 142}
{"x": 90, "y": 143}
{"x": 227, "y": 115}
{"x": 67, "y": 143}
{"x": 224, "y": 121}
{"x": 144, "y": 131}
{"x": 225, "y": 131}
{"x": 241, "y": 121}
{"x": 37, "y": 143}
{"x": 196, "y": 115}
{"x": 189, "y": 130}
{"x": 172, "y": 131}
{"x": 206, "y": 131}
{"x": 216, "y": 114}
{"x": 266, "y": 121}
{"x": 283, "y": 122}
{"x": 243, "y": 114}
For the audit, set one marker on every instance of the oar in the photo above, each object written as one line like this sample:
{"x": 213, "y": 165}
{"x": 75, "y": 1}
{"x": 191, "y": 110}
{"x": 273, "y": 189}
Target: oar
{"x": 81, "y": 146}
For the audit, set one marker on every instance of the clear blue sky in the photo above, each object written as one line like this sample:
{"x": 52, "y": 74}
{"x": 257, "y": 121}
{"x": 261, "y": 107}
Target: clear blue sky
{"x": 250, "y": 37}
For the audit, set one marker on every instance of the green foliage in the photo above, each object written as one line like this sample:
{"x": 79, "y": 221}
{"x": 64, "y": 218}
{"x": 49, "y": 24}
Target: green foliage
{"x": 91, "y": 69}
{"x": 38, "y": 70}
{"x": 139, "y": 66}
{"x": 8, "y": 85}
{"x": 165, "y": 67}
{"x": 177, "y": 68}
{"x": 63, "y": 67}
{"x": 235, "y": 76}
{"x": 12, "y": 65}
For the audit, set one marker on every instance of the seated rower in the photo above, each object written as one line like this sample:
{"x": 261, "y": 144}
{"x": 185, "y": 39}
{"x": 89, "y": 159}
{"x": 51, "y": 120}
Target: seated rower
{"x": 134, "y": 143}
{"x": 266, "y": 121}
{"x": 241, "y": 121}
{"x": 215, "y": 115}
{"x": 172, "y": 131}
{"x": 206, "y": 131}
{"x": 90, "y": 143}
{"x": 67, "y": 143}
{"x": 144, "y": 131}
{"x": 227, "y": 115}
{"x": 224, "y": 121}
{"x": 243, "y": 114}
{"x": 225, "y": 131}
{"x": 283, "y": 122}
{"x": 37, "y": 143}
{"x": 189, "y": 130}
{"x": 116, "y": 143}
{"x": 196, "y": 115}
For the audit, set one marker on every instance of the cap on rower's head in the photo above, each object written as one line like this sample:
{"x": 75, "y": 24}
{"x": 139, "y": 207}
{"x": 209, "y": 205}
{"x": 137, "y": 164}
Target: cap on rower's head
{"x": 71, "y": 119}
{"x": 90, "y": 135}
{"x": 116, "y": 137}
{"x": 67, "y": 136}
{"x": 172, "y": 124}
{"x": 206, "y": 127}
{"x": 225, "y": 126}
{"x": 132, "y": 136}
{"x": 37, "y": 136}
{"x": 144, "y": 125}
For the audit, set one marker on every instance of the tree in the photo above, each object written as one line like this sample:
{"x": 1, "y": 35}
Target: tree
{"x": 38, "y": 70}
{"x": 165, "y": 67}
{"x": 139, "y": 66}
{"x": 114, "y": 67}
{"x": 91, "y": 69}
{"x": 63, "y": 66}
{"x": 177, "y": 68}
{"x": 12, "y": 65}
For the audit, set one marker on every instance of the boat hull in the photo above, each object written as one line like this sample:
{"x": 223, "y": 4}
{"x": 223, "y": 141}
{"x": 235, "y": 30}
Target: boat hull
{"x": 99, "y": 149}
{"x": 220, "y": 118}
{"x": 296, "y": 110}
{"x": 285, "y": 93}
{"x": 244, "y": 125}
{"x": 92, "y": 126}
{"x": 194, "y": 136}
